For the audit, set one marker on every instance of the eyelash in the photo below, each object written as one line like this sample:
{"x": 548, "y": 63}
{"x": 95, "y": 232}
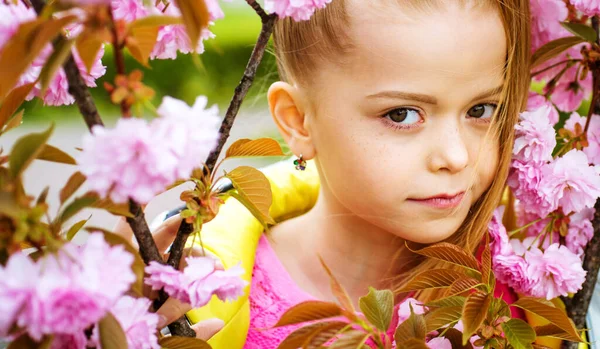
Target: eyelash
{"x": 397, "y": 126}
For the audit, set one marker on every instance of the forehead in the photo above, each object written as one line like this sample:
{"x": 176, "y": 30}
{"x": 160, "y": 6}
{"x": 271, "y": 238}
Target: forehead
{"x": 455, "y": 41}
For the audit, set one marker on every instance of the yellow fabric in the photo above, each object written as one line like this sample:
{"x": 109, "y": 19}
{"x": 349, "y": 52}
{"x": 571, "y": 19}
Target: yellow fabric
{"x": 233, "y": 237}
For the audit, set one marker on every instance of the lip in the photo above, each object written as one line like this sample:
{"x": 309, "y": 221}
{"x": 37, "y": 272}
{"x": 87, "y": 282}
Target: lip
{"x": 442, "y": 201}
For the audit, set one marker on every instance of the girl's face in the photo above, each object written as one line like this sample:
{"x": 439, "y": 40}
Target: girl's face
{"x": 400, "y": 130}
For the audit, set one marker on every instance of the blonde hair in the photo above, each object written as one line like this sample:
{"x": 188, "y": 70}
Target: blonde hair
{"x": 300, "y": 46}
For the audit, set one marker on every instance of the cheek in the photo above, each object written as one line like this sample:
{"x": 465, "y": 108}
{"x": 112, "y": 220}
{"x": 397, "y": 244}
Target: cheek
{"x": 486, "y": 166}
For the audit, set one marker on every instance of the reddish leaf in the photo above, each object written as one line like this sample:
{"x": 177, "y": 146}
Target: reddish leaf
{"x": 257, "y": 147}
{"x": 486, "y": 262}
{"x": 352, "y": 339}
{"x": 12, "y": 102}
{"x": 450, "y": 253}
{"x": 338, "y": 290}
{"x": 176, "y": 342}
{"x": 552, "y": 314}
{"x": 324, "y": 335}
{"x": 462, "y": 285}
{"x": 300, "y": 336}
{"x": 474, "y": 312}
{"x": 309, "y": 311}
{"x": 455, "y": 338}
{"x": 437, "y": 278}
{"x": 553, "y": 49}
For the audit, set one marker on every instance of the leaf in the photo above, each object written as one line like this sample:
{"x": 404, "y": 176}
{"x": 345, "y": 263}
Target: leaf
{"x": 352, "y": 339}
{"x": 62, "y": 50}
{"x": 111, "y": 333}
{"x": 258, "y": 147}
{"x": 309, "y": 311}
{"x": 450, "y": 253}
{"x": 26, "y": 149}
{"x": 486, "y": 262}
{"x": 176, "y": 342}
{"x": 303, "y": 335}
{"x": 76, "y": 228}
{"x": 462, "y": 285}
{"x": 138, "y": 264}
{"x": 553, "y": 49}
{"x": 519, "y": 334}
{"x": 455, "y": 338}
{"x": 114, "y": 208}
{"x": 24, "y": 46}
{"x": 413, "y": 343}
{"x": 15, "y": 121}
{"x": 442, "y": 317}
{"x": 447, "y": 302}
{"x": 254, "y": 191}
{"x": 437, "y": 278}
{"x": 195, "y": 18}
{"x": 551, "y": 330}
{"x": 12, "y": 102}
{"x": 88, "y": 45}
{"x": 155, "y": 21}
{"x": 413, "y": 327}
{"x": 324, "y": 335}
{"x": 378, "y": 307}
{"x": 474, "y": 312}
{"x": 583, "y": 31}
{"x": 74, "y": 182}
{"x": 25, "y": 342}
{"x": 53, "y": 154}
{"x": 77, "y": 205}
{"x": 552, "y": 314}
{"x": 338, "y": 290}
{"x": 141, "y": 42}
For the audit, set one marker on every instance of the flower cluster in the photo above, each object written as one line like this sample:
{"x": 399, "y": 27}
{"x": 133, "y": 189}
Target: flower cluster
{"x": 299, "y": 10}
{"x": 139, "y": 159}
{"x": 198, "y": 282}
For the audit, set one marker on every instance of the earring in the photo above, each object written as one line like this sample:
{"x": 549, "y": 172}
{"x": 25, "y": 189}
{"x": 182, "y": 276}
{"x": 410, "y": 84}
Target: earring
{"x": 300, "y": 163}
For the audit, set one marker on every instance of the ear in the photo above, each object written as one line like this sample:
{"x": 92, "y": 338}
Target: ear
{"x": 288, "y": 108}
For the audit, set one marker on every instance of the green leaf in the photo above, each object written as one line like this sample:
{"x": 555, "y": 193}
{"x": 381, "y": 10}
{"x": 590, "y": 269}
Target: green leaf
{"x": 378, "y": 307}
{"x": 13, "y": 101}
{"x": 474, "y": 312}
{"x": 450, "y": 253}
{"x": 436, "y": 278}
{"x": 26, "y": 149}
{"x": 175, "y": 342}
{"x": 257, "y": 147}
{"x": 62, "y": 50}
{"x": 519, "y": 334}
{"x": 77, "y": 205}
{"x": 442, "y": 317}
{"x": 76, "y": 228}
{"x": 53, "y": 154}
{"x": 583, "y": 31}
{"x": 74, "y": 182}
{"x": 338, "y": 290}
{"x": 413, "y": 327}
{"x": 554, "y": 315}
{"x": 253, "y": 191}
{"x": 316, "y": 331}
{"x": 309, "y": 311}
{"x": 553, "y": 49}
{"x": 111, "y": 333}
{"x": 454, "y": 301}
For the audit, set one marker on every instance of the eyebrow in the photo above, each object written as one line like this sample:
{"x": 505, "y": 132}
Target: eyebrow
{"x": 419, "y": 97}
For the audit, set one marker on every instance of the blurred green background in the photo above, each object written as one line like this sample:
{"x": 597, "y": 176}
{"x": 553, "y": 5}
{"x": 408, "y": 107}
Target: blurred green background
{"x": 223, "y": 62}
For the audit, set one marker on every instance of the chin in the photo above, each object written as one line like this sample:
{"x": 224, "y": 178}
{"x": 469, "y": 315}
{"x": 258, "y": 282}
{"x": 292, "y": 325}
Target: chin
{"x": 429, "y": 234}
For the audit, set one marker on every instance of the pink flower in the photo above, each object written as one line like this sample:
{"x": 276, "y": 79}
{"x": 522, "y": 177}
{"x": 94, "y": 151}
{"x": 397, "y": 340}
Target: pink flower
{"x": 570, "y": 91}
{"x": 593, "y": 135}
{"x": 198, "y": 282}
{"x": 525, "y": 179}
{"x": 299, "y": 10}
{"x": 512, "y": 271}
{"x": 129, "y": 10}
{"x": 173, "y": 39}
{"x": 588, "y": 7}
{"x": 404, "y": 308}
{"x": 546, "y": 16}
{"x": 439, "y": 343}
{"x": 139, "y": 160}
{"x": 570, "y": 182}
{"x": 536, "y": 137}
{"x": 11, "y": 16}
{"x": 137, "y": 322}
{"x": 537, "y": 101}
{"x": 580, "y": 231}
{"x": 555, "y": 272}
{"x": 499, "y": 243}
{"x": 17, "y": 289}
{"x": 70, "y": 341}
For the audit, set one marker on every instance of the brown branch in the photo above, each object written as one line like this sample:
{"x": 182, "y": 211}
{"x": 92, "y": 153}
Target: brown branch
{"x": 577, "y": 307}
{"x": 256, "y": 6}
{"x": 119, "y": 60}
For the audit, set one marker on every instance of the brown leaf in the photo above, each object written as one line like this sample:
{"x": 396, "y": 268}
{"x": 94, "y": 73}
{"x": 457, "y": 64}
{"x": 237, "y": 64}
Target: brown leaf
{"x": 413, "y": 343}
{"x": 74, "y": 182}
{"x": 551, "y": 330}
{"x": 309, "y": 311}
{"x": 324, "y": 335}
{"x": 486, "y": 262}
{"x": 25, "y": 342}
{"x": 15, "y": 121}
{"x": 155, "y": 21}
{"x": 413, "y": 327}
{"x": 474, "y": 312}
{"x": 195, "y": 18}
{"x": 553, "y": 49}
{"x": 257, "y": 147}
{"x": 442, "y": 317}
{"x": 114, "y": 208}
{"x": 12, "y": 102}
{"x": 175, "y": 342}
{"x": 43, "y": 196}
{"x": 338, "y": 290}
{"x": 88, "y": 45}
{"x": 455, "y": 338}
{"x": 450, "y": 253}
{"x": 462, "y": 285}
{"x": 141, "y": 42}
{"x": 24, "y": 46}
{"x": 437, "y": 278}
{"x": 352, "y": 339}
{"x": 59, "y": 55}
{"x": 300, "y": 336}
{"x": 53, "y": 154}
{"x": 111, "y": 333}
{"x": 550, "y": 313}
{"x": 254, "y": 190}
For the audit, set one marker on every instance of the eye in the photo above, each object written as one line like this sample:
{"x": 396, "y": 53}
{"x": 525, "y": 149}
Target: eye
{"x": 404, "y": 116}
{"x": 482, "y": 111}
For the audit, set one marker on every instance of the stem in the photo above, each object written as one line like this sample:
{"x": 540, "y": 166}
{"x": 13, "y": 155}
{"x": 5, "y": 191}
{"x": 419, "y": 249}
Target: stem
{"x": 554, "y": 66}
{"x": 577, "y": 307}
{"x": 119, "y": 61}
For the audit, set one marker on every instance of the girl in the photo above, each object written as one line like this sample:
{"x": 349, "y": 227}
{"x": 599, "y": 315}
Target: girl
{"x": 407, "y": 108}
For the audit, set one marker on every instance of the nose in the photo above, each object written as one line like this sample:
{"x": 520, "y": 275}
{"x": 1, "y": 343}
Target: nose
{"x": 449, "y": 150}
